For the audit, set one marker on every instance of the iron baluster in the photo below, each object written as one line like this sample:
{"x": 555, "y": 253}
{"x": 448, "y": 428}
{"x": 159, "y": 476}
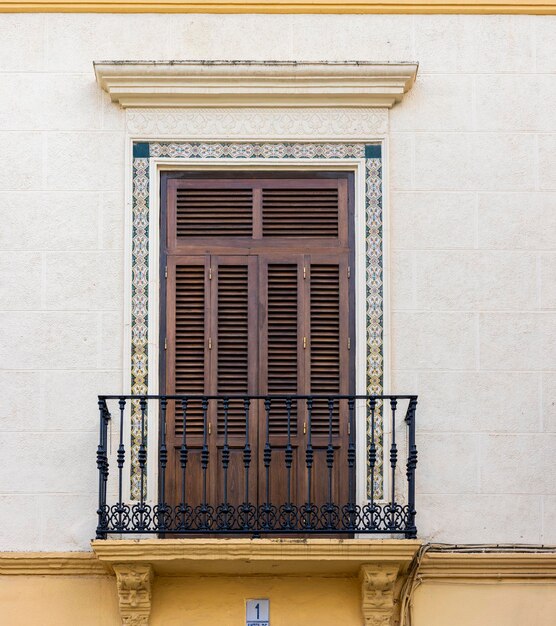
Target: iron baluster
{"x": 267, "y": 458}
{"x": 163, "y": 461}
{"x": 411, "y": 465}
{"x": 142, "y": 458}
{"x": 351, "y": 463}
{"x": 204, "y": 464}
{"x": 309, "y": 457}
{"x": 288, "y": 457}
{"x": 393, "y": 463}
{"x": 226, "y": 461}
{"x": 121, "y": 463}
{"x": 183, "y": 462}
{"x": 246, "y": 464}
{"x": 372, "y": 460}
{"x": 330, "y": 464}
{"x": 101, "y": 463}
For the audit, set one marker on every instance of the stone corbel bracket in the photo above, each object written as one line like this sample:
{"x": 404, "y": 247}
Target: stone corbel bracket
{"x": 254, "y": 84}
{"x": 134, "y": 582}
{"x": 378, "y": 586}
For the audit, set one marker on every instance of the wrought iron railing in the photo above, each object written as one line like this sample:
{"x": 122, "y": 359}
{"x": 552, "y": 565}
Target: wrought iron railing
{"x": 296, "y": 476}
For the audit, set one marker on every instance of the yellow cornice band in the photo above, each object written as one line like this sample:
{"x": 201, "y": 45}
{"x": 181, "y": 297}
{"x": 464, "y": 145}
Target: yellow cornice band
{"x": 278, "y": 6}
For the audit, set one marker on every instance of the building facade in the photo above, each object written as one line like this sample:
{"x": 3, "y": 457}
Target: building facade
{"x": 278, "y": 314}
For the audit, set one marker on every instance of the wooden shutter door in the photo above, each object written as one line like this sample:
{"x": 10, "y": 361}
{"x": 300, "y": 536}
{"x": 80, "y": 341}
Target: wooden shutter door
{"x": 261, "y": 306}
{"x": 187, "y": 370}
{"x": 233, "y": 372}
{"x": 327, "y": 366}
{"x": 281, "y": 373}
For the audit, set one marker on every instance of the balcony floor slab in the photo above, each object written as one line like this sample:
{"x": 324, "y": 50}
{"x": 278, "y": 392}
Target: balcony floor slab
{"x": 208, "y": 556}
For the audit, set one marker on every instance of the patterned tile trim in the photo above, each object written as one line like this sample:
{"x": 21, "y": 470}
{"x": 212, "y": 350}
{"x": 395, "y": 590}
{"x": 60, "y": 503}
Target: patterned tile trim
{"x": 246, "y": 151}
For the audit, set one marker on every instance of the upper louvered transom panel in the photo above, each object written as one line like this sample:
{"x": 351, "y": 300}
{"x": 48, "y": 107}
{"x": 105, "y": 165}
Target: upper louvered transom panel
{"x": 325, "y": 344}
{"x": 308, "y": 212}
{"x": 282, "y": 342}
{"x": 190, "y": 345}
{"x": 233, "y": 344}
{"x": 214, "y": 212}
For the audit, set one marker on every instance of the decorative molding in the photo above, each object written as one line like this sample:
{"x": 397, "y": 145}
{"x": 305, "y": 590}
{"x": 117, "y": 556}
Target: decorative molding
{"x": 273, "y": 123}
{"x": 254, "y": 83}
{"x": 51, "y": 564}
{"x": 134, "y": 582}
{"x": 279, "y": 6}
{"x": 377, "y": 593}
{"x": 259, "y": 556}
{"x": 493, "y": 566}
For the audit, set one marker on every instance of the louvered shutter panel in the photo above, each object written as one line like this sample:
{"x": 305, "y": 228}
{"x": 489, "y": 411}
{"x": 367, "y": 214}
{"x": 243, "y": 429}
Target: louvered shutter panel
{"x": 282, "y": 341}
{"x": 295, "y": 212}
{"x": 205, "y": 211}
{"x": 232, "y": 341}
{"x": 188, "y": 342}
{"x": 325, "y": 371}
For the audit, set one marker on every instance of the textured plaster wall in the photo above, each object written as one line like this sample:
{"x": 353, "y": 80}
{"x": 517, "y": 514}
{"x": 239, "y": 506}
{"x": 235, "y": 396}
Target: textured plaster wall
{"x": 473, "y": 254}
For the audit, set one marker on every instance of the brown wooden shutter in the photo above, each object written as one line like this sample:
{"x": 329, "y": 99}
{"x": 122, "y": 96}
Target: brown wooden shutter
{"x": 186, "y": 339}
{"x": 300, "y": 212}
{"x": 258, "y": 305}
{"x": 234, "y": 319}
{"x": 325, "y": 371}
{"x": 201, "y": 212}
{"x": 282, "y": 340}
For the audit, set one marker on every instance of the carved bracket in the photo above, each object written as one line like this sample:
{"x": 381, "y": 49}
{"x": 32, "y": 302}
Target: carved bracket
{"x": 134, "y": 582}
{"x": 377, "y": 593}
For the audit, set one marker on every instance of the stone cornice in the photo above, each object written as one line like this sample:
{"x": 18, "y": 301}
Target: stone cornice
{"x": 514, "y": 566}
{"x": 547, "y": 7}
{"x": 260, "y": 556}
{"x": 254, "y": 84}
{"x": 51, "y": 564}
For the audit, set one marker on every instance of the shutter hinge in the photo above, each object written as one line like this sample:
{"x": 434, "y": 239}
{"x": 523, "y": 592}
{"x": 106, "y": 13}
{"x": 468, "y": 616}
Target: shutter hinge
{"x": 349, "y": 343}
{"x": 349, "y": 271}
{"x": 349, "y": 429}
{"x": 210, "y": 343}
{"x": 304, "y": 428}
{"x": 210, "y": 428}
{"x": 166, "y": 272}
{"x": 304, "y": 272}
{"x": 304, "y": 342}
{"x": 165, "y": 344}
{"x": 210, "y": 273}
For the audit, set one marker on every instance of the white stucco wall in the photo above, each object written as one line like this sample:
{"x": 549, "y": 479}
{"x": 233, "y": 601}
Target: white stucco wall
{"x": 473, "y": 254}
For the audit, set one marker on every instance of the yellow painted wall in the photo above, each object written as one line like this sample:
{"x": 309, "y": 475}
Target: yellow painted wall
{"x": 294, "y": 601}
{"x": 58, "y": 601}
{"x": 188, "y": 601}
{"x": 485, "y": 603}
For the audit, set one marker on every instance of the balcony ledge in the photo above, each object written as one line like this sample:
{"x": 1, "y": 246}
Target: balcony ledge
{"x": 178, "y": 557}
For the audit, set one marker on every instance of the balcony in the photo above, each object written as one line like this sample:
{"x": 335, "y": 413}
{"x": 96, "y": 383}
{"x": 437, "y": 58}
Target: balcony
{"x": 257, "y": 466}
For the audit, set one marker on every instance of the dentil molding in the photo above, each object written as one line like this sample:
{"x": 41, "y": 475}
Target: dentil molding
{"x": 254, "y": 83}
{"x": 271, "y": 123}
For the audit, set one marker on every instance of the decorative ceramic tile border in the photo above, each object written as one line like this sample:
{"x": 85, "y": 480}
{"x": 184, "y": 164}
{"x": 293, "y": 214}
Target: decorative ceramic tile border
{"x": 142, "y": 151}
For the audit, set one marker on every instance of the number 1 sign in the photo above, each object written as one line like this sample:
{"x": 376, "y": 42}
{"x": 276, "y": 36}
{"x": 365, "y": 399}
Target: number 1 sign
{"x": 257, "y": 612}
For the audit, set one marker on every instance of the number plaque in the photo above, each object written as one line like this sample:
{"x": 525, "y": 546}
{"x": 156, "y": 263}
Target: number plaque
{"x": 257, "y": 612}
